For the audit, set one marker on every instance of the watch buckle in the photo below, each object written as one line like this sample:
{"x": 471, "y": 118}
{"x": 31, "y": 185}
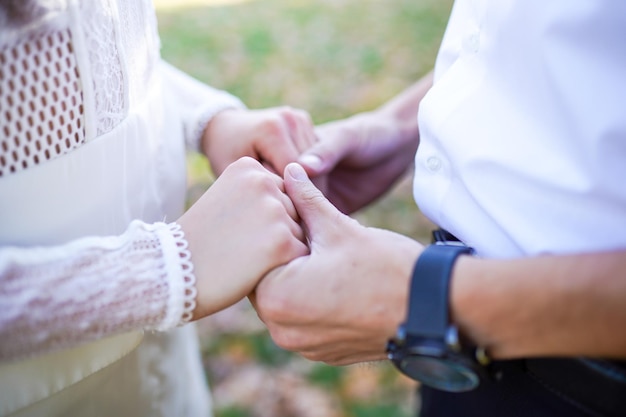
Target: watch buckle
{"x": 452, "y": 339}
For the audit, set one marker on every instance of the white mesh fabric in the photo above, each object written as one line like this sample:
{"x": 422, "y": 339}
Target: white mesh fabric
{"x": 41, "y": 105}
{"x": 98, "y": 18}
{"x": 44, "y": 97}
{"x": 41, "y": 95}
{"x": 92, "y": 288}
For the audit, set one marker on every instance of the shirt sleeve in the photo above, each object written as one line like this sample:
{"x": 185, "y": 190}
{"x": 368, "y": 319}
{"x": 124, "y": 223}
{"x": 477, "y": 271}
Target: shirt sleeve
{"x": 58, "y": 297}
{"x": 196, "y": 101}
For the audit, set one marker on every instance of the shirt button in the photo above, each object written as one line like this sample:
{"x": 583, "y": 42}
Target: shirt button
{"x": 472, "y": 42}
{"x": 433, "y": 164}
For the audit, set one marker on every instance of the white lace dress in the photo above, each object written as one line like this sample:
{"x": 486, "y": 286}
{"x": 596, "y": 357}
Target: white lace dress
{"x": 92, "y": 143}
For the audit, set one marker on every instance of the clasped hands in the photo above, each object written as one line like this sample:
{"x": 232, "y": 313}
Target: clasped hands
{"x": 324, "y": 285}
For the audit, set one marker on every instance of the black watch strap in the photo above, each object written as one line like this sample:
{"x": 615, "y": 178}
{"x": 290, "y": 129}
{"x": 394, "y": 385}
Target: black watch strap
{"x": 428, "y": 299}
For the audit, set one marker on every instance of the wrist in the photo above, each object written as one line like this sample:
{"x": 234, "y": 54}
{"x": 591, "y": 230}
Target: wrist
{"x": 428, "y": 346}
{"x": 213, "y": 129}
{"x": 402, "y": 267}
{"x": 473, "y": 303}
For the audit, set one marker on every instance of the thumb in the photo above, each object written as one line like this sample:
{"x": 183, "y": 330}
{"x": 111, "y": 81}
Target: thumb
{"x": 314, "y": 209}
{"x": 324, "y": 155}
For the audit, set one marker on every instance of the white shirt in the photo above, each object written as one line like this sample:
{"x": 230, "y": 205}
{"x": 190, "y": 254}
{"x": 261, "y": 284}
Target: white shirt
{"x": 523, "y": 135}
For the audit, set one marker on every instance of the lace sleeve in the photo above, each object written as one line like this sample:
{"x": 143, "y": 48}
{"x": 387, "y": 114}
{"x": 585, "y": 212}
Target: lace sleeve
{"x": 57, "y": 297}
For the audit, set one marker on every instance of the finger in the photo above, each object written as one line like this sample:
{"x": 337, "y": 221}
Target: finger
{"x": 343, "y": 357}
{"x": 331, "y": 345}
{"x": 287, "y": 203}
{"x": 285, "y": 200}
{"x": 294, "y": 218}
{"x": 267, "y": 165}
{"x": 296, "y": 231}
{"x": 286, "y": 245}
{"x": 317, "y": 213}
{"x": 325, "y": 153}
{"x": 301, "y": 249}
{"x": 280, "y": 184}
{"x": 302, "y": 130}
{"x": 276, "y": 146}
{"x": 278, "y": 151}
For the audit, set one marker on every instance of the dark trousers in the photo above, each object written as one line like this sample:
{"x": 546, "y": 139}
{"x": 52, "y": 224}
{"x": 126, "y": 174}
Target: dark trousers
{"x": 538, "y": 388}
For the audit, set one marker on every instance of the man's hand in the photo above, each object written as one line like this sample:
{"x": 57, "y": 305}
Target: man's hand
{"x": 358, "y": 159}
{"x": 341, "y": 303}
{"x": 274, "y": 136}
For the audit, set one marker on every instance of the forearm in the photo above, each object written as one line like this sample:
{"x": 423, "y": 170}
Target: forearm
{"x": 58, "y": 297}
{"x": 543, "y": 306}
{"x": 395, "y": 120}
{"x": 404, "y": 107}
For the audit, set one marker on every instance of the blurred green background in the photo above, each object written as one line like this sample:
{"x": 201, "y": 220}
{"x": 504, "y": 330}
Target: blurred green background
{"x": 333, "y": 58}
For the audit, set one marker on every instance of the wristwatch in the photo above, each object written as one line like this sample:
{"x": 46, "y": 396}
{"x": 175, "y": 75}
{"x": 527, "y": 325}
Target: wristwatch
{"x": 427, "y": 347}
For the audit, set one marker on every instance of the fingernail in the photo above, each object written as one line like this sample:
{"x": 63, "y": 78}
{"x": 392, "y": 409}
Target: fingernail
{"x": 297, "y": 172}
{"x": 310, "y": 160}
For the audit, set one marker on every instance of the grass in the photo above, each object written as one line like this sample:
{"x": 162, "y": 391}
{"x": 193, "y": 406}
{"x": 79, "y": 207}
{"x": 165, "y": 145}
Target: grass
{"x": 333, "y": 58}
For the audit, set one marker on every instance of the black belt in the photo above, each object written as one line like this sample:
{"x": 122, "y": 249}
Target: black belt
{"x": 595, "y": 386}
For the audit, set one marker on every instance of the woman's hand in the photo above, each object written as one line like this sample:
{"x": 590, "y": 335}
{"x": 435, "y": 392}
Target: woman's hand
{"x": 240, "y": 229}
{"x": 274, "y": 136}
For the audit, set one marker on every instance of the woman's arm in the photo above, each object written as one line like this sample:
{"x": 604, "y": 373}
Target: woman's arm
{"x": 90, "y": 288}
{"x": 154, "y": 276}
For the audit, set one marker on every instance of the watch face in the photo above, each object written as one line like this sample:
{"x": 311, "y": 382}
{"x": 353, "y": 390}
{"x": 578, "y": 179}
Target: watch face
{"x": 440, "y": 373}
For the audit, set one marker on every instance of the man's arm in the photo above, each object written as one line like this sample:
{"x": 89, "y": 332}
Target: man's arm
{"x": 543, "y": 306}
{"x": 404, "y": 107}
{"x": 343, "y": 301}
